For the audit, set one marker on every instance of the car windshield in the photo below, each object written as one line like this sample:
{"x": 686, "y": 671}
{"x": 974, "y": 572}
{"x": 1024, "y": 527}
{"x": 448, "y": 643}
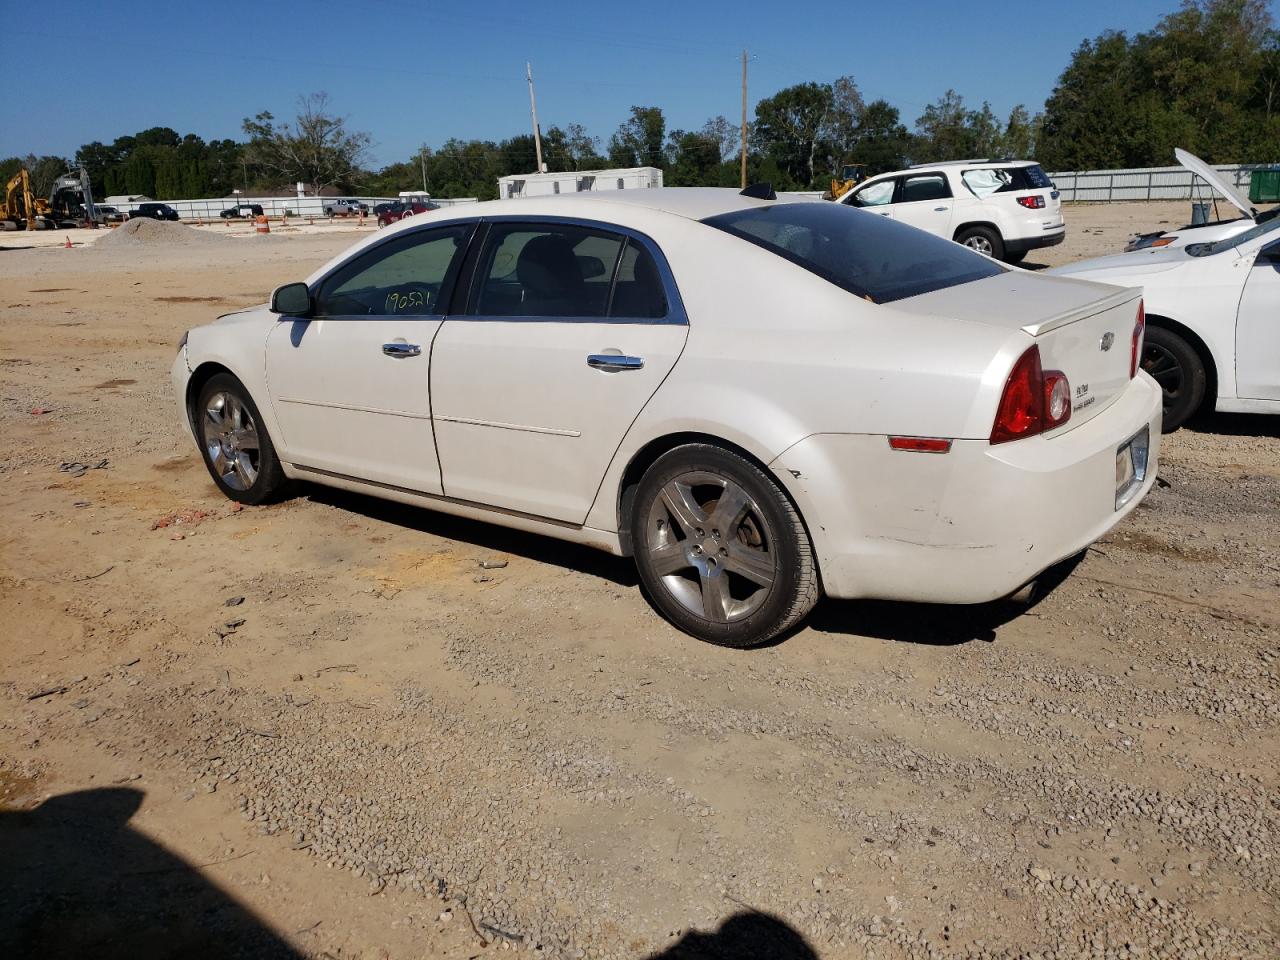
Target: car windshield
{"x": 1229, "y": 243}
{"x": 874, "y": 258}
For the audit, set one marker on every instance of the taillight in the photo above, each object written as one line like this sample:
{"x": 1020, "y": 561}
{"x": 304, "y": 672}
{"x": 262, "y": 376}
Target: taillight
{"x": 1032, "y": 203}
{"x": 1034, "y": 400}
{"x": 1139, "y": 329}
{"x": 1057, "y": 399}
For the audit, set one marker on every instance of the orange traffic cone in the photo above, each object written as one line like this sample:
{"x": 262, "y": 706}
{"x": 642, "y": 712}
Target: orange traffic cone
{"x": 67, "y": 245}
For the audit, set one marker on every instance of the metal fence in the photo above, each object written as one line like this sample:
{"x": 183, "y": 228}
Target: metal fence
{"x": 1149, "y": 183}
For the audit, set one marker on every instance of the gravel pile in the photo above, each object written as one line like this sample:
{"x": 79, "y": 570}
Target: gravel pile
{"x": 156, "y": 233}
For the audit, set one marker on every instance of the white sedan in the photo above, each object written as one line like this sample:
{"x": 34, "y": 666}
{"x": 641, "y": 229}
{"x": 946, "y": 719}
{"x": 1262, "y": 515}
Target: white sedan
{"x": 1213, "y": 319}
{"x": 758, "y": 400}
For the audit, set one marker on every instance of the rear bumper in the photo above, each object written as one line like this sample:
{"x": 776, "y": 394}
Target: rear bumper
{"x": 971, "y": 525}
{"x": 1023, "y": 244}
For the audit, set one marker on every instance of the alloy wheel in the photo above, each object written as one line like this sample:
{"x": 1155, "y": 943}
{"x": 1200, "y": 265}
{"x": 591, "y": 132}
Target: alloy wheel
{"x": 231, "y": 441}
{"x": 980, "y": 244}
{"x": 711, "y": 546}
{"x": 1163, "y": 367}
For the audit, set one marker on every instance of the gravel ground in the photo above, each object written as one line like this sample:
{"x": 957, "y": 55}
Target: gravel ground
{"x": 322, "y": 728}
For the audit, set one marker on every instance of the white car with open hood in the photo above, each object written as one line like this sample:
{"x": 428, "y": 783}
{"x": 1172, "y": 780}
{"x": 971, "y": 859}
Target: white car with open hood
{"x": 758, "y": 400}
{"x": 1213, "y": 319}
{"x": 1216, "y": 229}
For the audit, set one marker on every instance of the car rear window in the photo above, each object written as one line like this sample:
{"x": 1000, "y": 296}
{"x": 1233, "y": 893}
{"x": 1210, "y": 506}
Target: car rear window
{"x": 861, "y": 252}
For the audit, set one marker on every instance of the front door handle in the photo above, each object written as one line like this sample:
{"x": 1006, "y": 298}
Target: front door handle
{"x": 939, "y": 209}
{"x": 401, "y": 349}
{"x": 614, "y": 362}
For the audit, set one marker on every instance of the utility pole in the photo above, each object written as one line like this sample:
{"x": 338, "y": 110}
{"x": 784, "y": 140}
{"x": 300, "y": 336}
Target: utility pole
{"x": 422, "y": 156}
{"x": 744, "y": 118}
{"x": 533, "y": 111}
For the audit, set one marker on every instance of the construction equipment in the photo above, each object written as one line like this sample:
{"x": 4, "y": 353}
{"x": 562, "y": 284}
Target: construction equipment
{"x": 851, "y": 174}
{"x": 70, "y": 203}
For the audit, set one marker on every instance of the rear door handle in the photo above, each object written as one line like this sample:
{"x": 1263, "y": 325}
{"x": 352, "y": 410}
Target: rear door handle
{"x": 614, "y": 362}
{"x": 401, "y": 349}
{"x": 939, "y": 209}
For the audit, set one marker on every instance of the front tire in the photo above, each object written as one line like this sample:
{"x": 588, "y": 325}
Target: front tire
{"x": 233, "y": 441}
{"x": 720, "y": 549}
{"x": 982, "y": 240}
{"x": 1174, "y": 364}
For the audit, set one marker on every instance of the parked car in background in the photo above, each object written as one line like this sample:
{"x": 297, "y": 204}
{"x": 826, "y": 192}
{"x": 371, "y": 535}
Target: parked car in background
{"x": 345, "y": 208}
{"x": 390, "y": 213}
{"x": 1214, "y": 229}
{"x": 107, "y": 214}
{"x": 241, "y": 211}
{"x": 1001, "y": 208}
{"x": 612, "y": 370}
{"x": 154, "y": 211}
{"x": 1213, "y": 319}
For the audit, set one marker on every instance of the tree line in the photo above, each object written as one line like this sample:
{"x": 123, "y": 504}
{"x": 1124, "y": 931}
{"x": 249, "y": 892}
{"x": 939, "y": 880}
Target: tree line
{"x": 1206, "y": 78}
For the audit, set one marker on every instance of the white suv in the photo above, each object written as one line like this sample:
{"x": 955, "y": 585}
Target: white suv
{"x": 1002, "y": 208}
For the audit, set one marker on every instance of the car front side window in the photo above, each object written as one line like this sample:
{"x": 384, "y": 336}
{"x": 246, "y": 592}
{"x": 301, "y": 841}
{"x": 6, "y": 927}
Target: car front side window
{"x": 873, "y": 194}
{"x": 403, "y": 276}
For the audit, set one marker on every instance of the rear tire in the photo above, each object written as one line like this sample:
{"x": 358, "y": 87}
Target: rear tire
{"x": 1174, "y": 364}
{"x": 721, "y": 551}
{"x": 234, "y": 443}
{"x": 983, "y": 240}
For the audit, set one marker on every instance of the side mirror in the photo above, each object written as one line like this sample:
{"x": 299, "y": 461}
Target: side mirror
{"x": 291, "y": 300}
{"x": 1269, "y": 254}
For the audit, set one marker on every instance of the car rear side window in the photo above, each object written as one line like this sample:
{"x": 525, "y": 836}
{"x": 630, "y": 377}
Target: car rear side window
{"x": 868, "y": 255}
{"x": 925, "y": 186}
{"x": 546, "y": 270}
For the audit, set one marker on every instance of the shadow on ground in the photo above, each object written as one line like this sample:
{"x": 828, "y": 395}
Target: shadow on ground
{"x": 924, "y": 623}
{"x": 486, "y": 536}
{"x": 744, "y": 936}
{"x": 77, "y": 881}
{"x": 1236, "y": 425}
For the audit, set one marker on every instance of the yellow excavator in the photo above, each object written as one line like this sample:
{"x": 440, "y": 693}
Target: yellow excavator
{"x": 70, "y": 203}
{"x": 851, "y": 174}
{"x": 21, "y": 208}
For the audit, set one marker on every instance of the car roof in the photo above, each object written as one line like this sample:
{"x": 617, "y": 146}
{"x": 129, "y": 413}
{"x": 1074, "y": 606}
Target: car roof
{"x": 694, "y": 203}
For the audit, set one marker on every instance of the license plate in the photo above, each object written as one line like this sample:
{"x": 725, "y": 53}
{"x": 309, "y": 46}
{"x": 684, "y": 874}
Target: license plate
{"x": 1131, "y": 466}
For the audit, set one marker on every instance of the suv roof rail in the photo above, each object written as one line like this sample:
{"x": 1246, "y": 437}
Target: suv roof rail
{"x": 952, "y": 163}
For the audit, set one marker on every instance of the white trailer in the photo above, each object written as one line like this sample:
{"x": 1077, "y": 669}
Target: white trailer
{"x": 578, "y": 181}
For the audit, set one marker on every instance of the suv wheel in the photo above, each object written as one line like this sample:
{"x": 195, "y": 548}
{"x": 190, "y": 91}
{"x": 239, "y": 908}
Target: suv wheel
{"x": 983, "y": 240}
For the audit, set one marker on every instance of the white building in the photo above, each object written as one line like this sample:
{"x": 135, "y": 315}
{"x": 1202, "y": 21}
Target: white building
{"x": 578, "y": 181}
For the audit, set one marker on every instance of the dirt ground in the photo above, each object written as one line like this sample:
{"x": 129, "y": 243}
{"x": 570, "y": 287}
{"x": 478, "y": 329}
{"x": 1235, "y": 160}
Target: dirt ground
{"x": 322, "y": 729}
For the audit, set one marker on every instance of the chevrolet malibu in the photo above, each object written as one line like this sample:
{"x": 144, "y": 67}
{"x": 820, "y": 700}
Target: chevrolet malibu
{"x": 760, "y": 401}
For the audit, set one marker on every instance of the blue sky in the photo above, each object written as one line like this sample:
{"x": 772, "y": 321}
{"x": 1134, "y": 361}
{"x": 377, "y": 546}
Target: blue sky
{"x": 414, "y": 73}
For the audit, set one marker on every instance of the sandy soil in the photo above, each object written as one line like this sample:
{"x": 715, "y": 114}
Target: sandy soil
{"x": 321, "y": 729}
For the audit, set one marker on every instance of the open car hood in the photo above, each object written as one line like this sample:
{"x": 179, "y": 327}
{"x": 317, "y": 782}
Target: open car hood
{"x": 1213, "y": 178}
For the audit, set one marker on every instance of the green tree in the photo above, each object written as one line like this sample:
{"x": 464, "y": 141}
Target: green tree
{"x": 639, "y": 141}
{"x": 943, "y": 131}
{"x": 883, "y": 143}
{"x": 140, "y": 177}
{"x": 693, "y": 160}
{"x": 316, "y": 148}
{"x": 791, "y": 129}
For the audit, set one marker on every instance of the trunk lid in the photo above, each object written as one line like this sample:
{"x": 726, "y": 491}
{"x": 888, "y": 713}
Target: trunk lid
{"x": 1083, "y": 329}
